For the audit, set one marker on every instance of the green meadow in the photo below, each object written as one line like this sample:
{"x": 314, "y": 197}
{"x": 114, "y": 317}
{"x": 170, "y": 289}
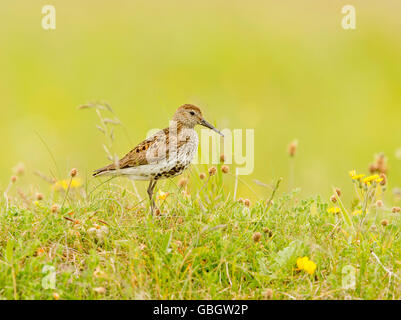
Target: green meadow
{"x": 287, "y": 70}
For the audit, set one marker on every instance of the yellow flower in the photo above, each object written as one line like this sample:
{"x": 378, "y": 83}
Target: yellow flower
{"x": 333, "y": 210}
{"x": 357, "y": 212}
{"x": 76, "y": 183}
{"x": 301, "y": 262}
{"x": 63, "y": 184}
{"x": 370, "y": 179}
{"x": 375, "y": 178}
{"x": 162, "y": 195}
{"x": 310, "y": 267}
{"x": 355, "y": 176}
{"x": 307, "y": 265}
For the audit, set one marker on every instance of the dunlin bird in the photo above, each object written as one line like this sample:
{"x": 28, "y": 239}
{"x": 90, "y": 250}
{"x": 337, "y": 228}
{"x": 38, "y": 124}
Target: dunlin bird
{"x": 166, "y": 154}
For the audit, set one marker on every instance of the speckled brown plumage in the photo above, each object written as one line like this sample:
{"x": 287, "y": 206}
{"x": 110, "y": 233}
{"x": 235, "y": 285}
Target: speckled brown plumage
{"x": 140, "y": 154}
{"x": 166, "y": 154}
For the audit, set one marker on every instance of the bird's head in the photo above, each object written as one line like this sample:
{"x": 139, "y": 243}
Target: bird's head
{"x": 189, "y": 116}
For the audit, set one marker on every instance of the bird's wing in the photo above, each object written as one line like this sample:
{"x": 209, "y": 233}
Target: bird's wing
{"x": 149, "y": 150}
{"x": 155, "y": 149}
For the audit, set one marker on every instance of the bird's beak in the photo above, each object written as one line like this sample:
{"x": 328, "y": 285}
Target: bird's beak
{"x": 206, "y": 124}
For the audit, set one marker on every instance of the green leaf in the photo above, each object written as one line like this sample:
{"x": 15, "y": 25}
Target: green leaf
{"x": 288, "y": 255}
{"x": 166, "y": 242}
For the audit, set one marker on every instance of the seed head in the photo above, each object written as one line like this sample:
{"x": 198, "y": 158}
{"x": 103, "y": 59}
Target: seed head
{"x": 373, "y": 168}
{"x": 247, "y": 203}
{"x": 212, "y": 171}
{"x": 268, "y": 232}
{"x": 396, "y": 210}
{"x": 379, "y": 203}
{"x": 39, "y": 196}
{"x": 73, "y": 172}
{"x": 256, "y": 236}
{"x": 202, "y": 176}
{"x": 268, "y": 294}
{"x": 13, "y": 179}
{"x": 182, "y": 182}
{"x": 333, "y": 198}
{"x": 19, "y": 169}
{"x": 384, "y": 179}
{"x": 225, "y": 169}
{"x": 338, "y": 191}
{"x": 381, "y": 161}
{"x": 240, "y": 200}
{"x": 379, "y": 165}
{"x": 222, "y": 158}
{"x": 54, "y": 208}
{"x": 384, "y": 222}
{"x": 292, "y": 148}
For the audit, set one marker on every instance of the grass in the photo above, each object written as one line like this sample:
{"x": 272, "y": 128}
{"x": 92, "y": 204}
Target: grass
{"x": 104, "y": 244}
{"x": 285, "y": 69}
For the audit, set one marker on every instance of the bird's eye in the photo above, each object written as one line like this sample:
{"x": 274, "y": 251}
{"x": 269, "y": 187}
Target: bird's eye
{"x": 191, "y": 113}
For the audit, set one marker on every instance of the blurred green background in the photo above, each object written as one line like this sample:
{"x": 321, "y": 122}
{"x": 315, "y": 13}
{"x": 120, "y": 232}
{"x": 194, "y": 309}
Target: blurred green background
{"x": 285, "y": 68}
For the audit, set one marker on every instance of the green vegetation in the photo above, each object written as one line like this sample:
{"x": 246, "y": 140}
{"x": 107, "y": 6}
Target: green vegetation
{"x": 104, "y": 244}
{"x": 285, "y": 69}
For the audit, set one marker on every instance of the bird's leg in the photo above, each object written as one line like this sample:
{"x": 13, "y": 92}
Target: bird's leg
{"x": 151, "y": 188}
